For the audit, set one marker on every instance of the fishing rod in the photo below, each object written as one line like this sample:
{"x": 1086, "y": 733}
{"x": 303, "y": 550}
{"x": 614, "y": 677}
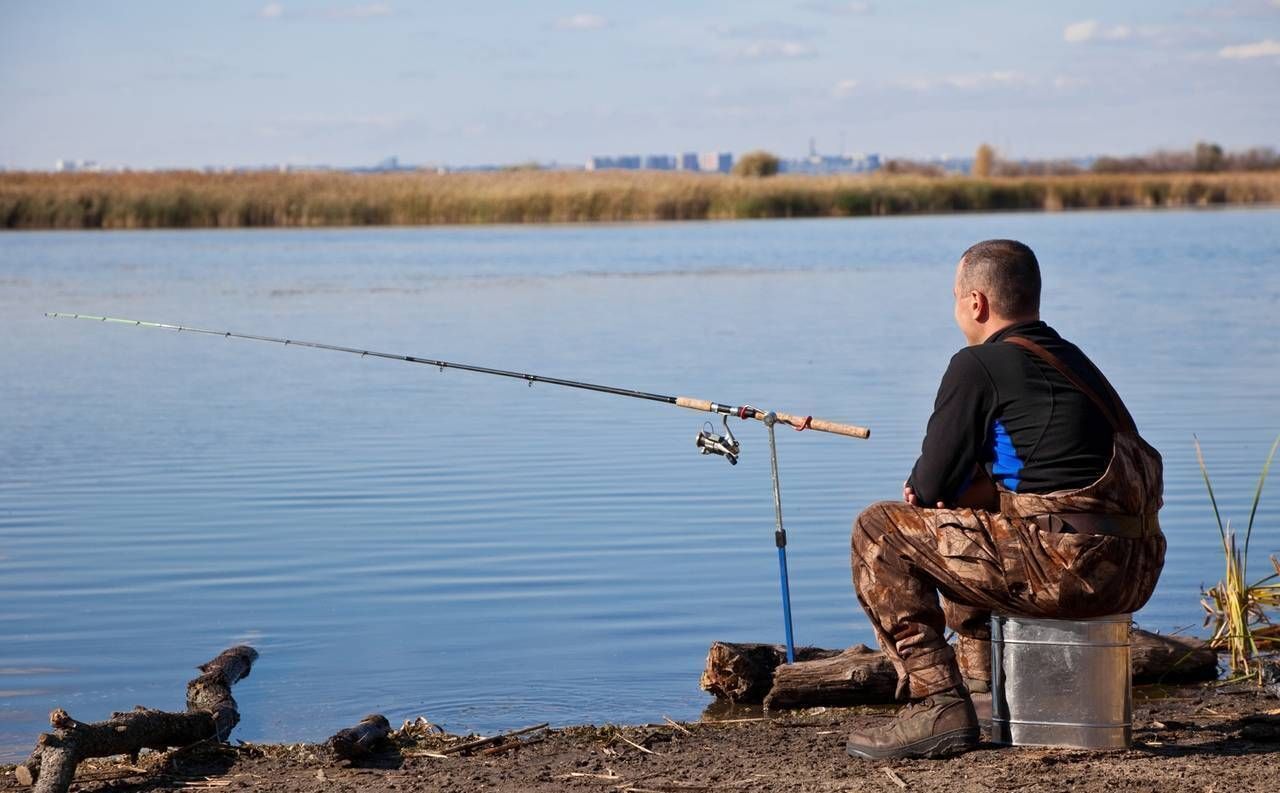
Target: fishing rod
{"x": 708, "y": 441}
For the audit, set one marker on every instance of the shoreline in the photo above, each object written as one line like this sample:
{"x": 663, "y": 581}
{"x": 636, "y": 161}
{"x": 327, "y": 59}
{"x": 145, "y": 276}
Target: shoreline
{"x": 1188, "y": 737}
{"x": 191, "y": 200}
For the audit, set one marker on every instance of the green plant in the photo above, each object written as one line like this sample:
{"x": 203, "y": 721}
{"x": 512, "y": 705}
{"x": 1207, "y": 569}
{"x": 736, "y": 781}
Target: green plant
{"x": 1237, "y": 609}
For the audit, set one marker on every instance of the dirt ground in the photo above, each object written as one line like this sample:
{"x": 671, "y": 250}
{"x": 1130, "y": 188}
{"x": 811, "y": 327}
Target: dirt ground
{"x": 1186, "y": 739}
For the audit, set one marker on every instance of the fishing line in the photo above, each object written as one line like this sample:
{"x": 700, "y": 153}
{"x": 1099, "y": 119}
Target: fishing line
{"x": 708, "y": 441}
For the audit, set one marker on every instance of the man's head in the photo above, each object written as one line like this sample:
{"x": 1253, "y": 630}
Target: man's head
{"x": 997, "y": 284}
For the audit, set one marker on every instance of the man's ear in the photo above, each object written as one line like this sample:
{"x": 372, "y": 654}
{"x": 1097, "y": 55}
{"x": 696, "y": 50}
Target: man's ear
{"x": 979, "y": 306}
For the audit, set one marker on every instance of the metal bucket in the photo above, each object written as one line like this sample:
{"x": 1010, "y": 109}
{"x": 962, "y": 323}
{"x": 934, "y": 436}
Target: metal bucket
{"x": 1061, "y": 682}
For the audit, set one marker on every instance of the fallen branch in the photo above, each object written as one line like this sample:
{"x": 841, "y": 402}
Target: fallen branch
{"x": 632, "y": 743}
{"x": 513, "y": 743}
{"x": 733, "y": 721}
{"x": 479, "y": 742}
{"x": 893, "y": 776}
{"x": 610, "y": 777}
{"x": 211, "y": 713}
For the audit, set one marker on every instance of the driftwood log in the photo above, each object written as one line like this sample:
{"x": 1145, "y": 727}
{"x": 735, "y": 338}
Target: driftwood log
{"x": 361, "y": 740}
{"x": 1158, "y": 658}
{"x": 211, "y": 714}
{"x": 757, "y": 673}
{"x": 744, "y": 672}
{"x": 857, "y": 676}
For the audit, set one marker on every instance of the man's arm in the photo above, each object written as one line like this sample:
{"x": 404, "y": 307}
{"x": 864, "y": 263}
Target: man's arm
{"x": 956, "y": 434}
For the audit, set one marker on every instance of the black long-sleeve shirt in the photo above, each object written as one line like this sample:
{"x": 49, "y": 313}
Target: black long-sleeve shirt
{"x": 1002, "y": 407}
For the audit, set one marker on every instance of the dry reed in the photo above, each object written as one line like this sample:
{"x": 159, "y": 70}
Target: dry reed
{"x": 1236, "y": 608}
{"x": 177, "y": 199}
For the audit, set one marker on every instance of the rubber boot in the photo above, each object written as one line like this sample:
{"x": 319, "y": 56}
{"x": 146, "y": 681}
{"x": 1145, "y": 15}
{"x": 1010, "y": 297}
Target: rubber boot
{"x": 937, "y": 726}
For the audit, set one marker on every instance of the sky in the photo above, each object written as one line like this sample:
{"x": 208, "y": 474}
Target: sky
{"x": 248, "y": 82}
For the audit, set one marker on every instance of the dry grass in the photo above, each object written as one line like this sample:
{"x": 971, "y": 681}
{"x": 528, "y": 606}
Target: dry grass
{"x": 179, "y": 199}
{"x": 1236, "y": 608}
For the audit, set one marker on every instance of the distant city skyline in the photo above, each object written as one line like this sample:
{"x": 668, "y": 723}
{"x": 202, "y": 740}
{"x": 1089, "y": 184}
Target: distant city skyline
{"x": 246, "y": 82}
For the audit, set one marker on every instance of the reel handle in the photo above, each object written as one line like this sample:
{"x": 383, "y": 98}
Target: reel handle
{"x": 821, "y": 425}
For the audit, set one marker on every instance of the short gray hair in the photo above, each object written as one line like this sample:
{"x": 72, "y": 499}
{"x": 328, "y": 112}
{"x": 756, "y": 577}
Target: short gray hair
{"x": 1006, "y": 271}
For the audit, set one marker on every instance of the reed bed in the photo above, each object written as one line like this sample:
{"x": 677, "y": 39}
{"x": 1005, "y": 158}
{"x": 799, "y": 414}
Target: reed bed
{"x": 178, "y": 199}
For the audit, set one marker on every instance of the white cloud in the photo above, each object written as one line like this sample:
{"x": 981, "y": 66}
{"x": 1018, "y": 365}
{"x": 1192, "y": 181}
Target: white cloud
{"x": 847, "y": 7}
{"x": 357, "y": 11}
{"x": 979, "y": 80}
{"x": 844, "y": 88}
{"x": 1092, "y": 30}
{"x": 966, "y": 82}
{"x": 1080, "y": 31}
{"x": 1258, "y": 49}
{"x": 582, "y": 22}
{"x": 1069, "y": 82}
{"x": 364, "y": 11}
{"x": 771, "y": 49}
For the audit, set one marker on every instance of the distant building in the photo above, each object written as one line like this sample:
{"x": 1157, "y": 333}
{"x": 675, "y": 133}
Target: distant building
{"x": 715, "y": 161}
{"x": 72, "y": 166}
{"x": 817, "y": 163}
{"x": 962, "y": 165}
{"x": 688, "y": 161}
{"x": 390, "y": 164}
{"x": 631, "y": 162}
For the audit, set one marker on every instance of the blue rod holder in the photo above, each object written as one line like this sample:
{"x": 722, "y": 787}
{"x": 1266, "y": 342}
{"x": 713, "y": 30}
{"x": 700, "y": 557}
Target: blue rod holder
{"x": 780, "y": 538}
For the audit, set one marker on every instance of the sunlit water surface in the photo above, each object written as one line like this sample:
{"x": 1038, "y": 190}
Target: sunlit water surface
{"x": 490, "y": 555}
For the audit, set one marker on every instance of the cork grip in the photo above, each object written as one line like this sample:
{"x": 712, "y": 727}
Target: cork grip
{"x": 693, "y": 404}
{"x": 821, "y": 425}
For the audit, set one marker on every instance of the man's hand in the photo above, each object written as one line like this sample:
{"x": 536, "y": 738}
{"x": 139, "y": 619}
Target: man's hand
{"x": 909, "y": 496}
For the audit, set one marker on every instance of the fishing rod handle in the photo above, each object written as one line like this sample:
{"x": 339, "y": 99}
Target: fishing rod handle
{"x": 824, "y": 425}
{"x": 799, "y": 422}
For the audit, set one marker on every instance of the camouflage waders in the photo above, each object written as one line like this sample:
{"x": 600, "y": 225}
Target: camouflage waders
{"x": 1070, "y": 554}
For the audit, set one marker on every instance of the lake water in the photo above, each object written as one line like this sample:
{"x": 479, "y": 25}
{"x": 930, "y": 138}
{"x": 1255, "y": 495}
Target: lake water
{"x": 490, "y": 555}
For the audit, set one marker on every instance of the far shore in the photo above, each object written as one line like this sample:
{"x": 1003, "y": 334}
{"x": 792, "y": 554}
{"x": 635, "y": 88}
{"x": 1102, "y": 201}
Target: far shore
{"x": 188, "y": 199}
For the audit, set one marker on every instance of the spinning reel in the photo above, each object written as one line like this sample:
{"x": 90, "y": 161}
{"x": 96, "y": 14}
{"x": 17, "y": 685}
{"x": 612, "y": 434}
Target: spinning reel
{"x": 725, "y": 445}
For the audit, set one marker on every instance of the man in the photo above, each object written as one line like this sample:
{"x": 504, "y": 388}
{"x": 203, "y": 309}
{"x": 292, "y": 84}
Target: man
{"x": 1033, "y": 495}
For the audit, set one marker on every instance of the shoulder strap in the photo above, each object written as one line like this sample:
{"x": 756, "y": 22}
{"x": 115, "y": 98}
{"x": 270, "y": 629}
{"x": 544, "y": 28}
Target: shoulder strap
{"x": 1115, "y": 413}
